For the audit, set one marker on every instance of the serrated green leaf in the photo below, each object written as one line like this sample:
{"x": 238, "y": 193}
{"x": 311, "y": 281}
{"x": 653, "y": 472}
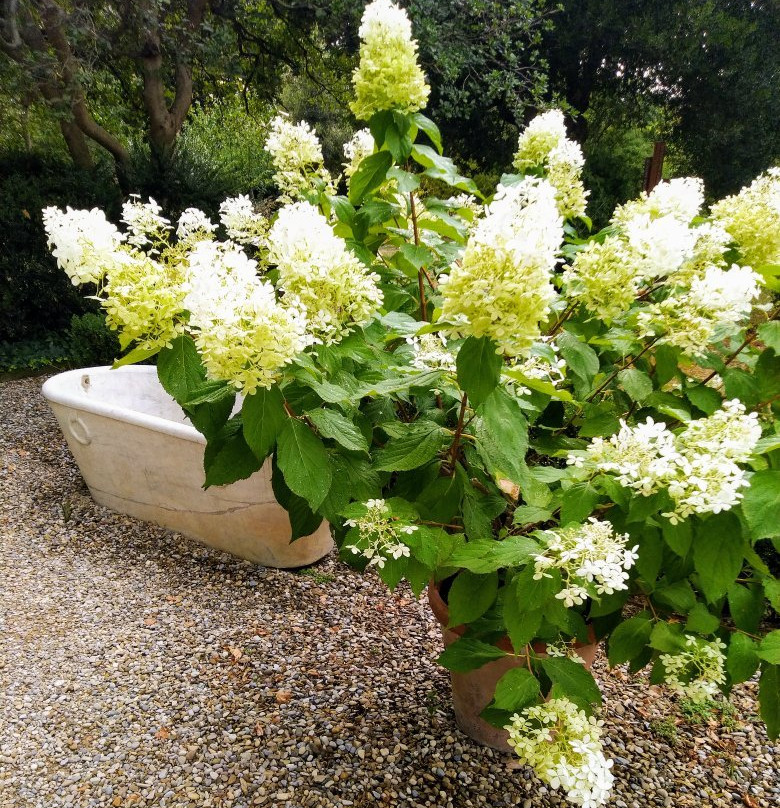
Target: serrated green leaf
{"x": 180, "y": 369}
{"x": 370, "y": 174}
{"x": 636, "y": 383}
{"x": 303, "y": 460}
{"x": 746, "y": 605}
{"x": 429, "y": 127}
{"x": 228, "y": 460}
{"x": 679, "y": 537}
{"x": 769, "y": 699}
{"x": 769, "y": 334}
{"x": 705, "y": 398}
{"x": 264, "y": 416}
{"x": 578, "y": 502}
{"x": 479, "y": 368}
{"x": 761, "y": 504}
{"x": 332, "y": 424}
{"x": 516, "y": 689}
{"x": 769, "y": 649}
{"x": 487, "y": 555}
{"x": 411, "y": 451}
{"x": 572, "y": 680}
{"x": 467, "y": 654}
{"x": 741, "y": 660}
{"x": 629, "y": 639}
{"x": 718, "y": 553}
{"x": 579, "y": 356}
{"x": 701, "y": 620}
{"x": 772, "y": 591}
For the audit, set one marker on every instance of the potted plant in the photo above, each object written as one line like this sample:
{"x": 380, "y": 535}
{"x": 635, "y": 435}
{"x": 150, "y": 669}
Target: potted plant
{"x": 572, "y": 435}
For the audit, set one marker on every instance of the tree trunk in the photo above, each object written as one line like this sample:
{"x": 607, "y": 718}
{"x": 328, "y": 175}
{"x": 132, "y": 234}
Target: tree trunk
{"x": 77, "y": 145}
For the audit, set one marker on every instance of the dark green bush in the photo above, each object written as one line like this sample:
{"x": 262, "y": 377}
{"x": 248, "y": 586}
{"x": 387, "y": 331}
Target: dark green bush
{"x": 91, "y": 341}
{"x": 48, "y": 351}
{"x": 36, "y": 297}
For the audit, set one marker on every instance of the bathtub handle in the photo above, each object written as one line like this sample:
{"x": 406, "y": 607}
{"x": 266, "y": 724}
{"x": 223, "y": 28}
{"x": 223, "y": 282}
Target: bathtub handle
{"x": 79, "y": 431}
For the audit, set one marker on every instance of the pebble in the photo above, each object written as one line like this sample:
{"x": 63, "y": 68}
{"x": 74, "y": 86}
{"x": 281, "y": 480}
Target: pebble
{"x": 120, "y": 685}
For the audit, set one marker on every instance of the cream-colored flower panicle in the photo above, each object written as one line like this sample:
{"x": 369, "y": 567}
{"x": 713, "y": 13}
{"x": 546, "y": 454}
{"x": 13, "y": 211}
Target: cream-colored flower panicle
{"x": 244, "y": 335}
{"x": 145, "y": 224}
{"x": 241, "y": 223}
{"x": 144, "y": 301}
{"x": 752, "y": 219}
{"x": 380, "y": 534}
{"x": 716, "y": 304}
{"x": 544, "y": 145}
{"x": 388, "y": 76}
{"x": 680, "y": 198}
{"x": 84, "y": 242}
{"x": 297, "y": 156}
{"x": 562, "y": 744}
{"x": 698, "y": 467}
{"x": 194, "y": 225}
{"x": 360, "y": 146}
{"x": 698, "y": 671}
{"x": 315, "y": 266}
{"x": 503, "y": 288}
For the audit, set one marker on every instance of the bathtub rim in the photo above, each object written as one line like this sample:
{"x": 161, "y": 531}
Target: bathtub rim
{"x": 55, "y": 390}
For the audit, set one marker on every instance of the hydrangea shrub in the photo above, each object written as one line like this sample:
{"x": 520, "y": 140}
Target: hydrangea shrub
{"x": 576, "y": 431}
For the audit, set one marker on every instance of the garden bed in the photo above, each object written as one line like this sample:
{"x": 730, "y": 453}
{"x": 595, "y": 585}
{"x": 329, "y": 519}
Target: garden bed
{"x": 140, "y": 669}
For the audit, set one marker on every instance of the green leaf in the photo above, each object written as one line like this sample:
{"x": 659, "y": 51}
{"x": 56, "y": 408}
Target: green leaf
{"x": 303, "y": 521}
{"x": 769, "y": 699}
{"x": 488, "y": 555}
{"x": 516, "y": 689}
{"x": 578, "y": 502}
{"x": 579, "y": 356}
{"x": 636, "y": 383}
{"x": 678, "y": 596}
{"x": 429, "y": 127}
{"x": 767, "y": 375}
{"x": 479, "y": 368}
{"x": 138, "y": 354}
{"x": 740, "y": 384}
{"x": 746, "y": 604}
{"x": 667, "y": 637}
{"x": 769, "y": 443}
{"x": 718, "y": 553}
{"x": 742, "y": 660}
{"x": 679, "y": 537}
{"x": 370, "y": 174}
{"x": 772, "y": 591}
{"x": 705, "y": 398}
{"x": 761, "y": 505}
{"x": 701, "y": 620}
{"x": 539, "y": 385}
{"x": 332, "y": 424}
{"x": 479, "y": 510}
{"x": 264, "y": 416}
{"x": 470, "y": 596}
{"x": 572, "y": 680}
{"x": 180, "y": 370}
{"x": 522, "y": 626}
{"x": 442, "y": 168}
{"x": 769, "y": 650}
{"x": 303, "y": 460}
{"x": 769, "y": 334}
{"x": 502, "y": 417}
{"x": 467, "y": 654}
{"x": 530, "y": 514}
{"x": 228, "y": 460}
{"x": 629, "y": 639}
{"x": 410, "y": 451}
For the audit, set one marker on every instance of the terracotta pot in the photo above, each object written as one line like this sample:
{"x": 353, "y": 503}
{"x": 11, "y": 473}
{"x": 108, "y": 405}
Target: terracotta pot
{"x": 473, "y": 691}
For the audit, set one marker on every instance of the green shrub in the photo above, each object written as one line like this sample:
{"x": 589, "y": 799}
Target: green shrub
{"x": 36, "y": 297}
{"x": 49, "y": 351}
{"x": 91, "y": 341}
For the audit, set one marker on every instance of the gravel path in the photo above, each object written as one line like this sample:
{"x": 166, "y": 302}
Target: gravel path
{"x": 140, "y": 669}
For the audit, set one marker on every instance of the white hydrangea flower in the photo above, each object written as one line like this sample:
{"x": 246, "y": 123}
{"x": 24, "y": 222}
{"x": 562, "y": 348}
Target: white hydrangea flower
{"x": 603, "y": 277}
{"x": 378, "y": 532}
{"x": 316, "y": 267}
{"x": 593, "y": 560}
{"x": 84, "y": 243}
{"x": 544, "y": 144}
{"x": 698, "y": 671}
{"x": 194, "y": 226}
{"x": 718, "y": 301}
{"x": 660, "y": 245}
{"x": 699, "y": 467}
{"x": 752, "y": 219}
{"x": 562, "y": 744}
{"x": 712, "y": 241}
{"x": 144, "y": 300}
{"x": 680, "y": 198}
{"x": 297, "y": 157}
{"x": 430, "y": 352}
{"x": 388, "y": 76}
{"x": 144, "y": 222}
{"x": 360, "y": 146}
{"x": 244, "y": 335}
{"x": 240, "y": 221}
{"x": 503, "y": 286}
